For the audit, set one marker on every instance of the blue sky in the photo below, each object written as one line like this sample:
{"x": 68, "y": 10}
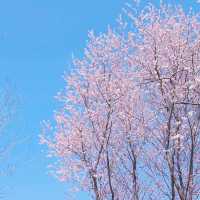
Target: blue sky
{"x": 37, "y": 39}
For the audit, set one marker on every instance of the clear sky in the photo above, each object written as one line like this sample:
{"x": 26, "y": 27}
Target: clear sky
{"x": 37, "y": 39}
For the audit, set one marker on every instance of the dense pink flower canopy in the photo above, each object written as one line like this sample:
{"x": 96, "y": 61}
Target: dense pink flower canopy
{"x": 129, "y": 125}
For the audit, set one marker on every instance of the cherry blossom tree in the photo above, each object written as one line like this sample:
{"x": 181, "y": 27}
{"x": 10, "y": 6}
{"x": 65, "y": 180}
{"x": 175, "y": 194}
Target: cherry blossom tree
{"x": 167, "y": 43}
{"x": 99, "y": 131}
{"x": 8, "y": 103}
{"x": 129, "y": 125}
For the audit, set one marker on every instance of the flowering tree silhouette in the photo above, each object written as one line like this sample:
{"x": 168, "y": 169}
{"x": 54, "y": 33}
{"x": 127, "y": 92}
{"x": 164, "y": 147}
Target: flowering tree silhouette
{"x": 129, "y": 127}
